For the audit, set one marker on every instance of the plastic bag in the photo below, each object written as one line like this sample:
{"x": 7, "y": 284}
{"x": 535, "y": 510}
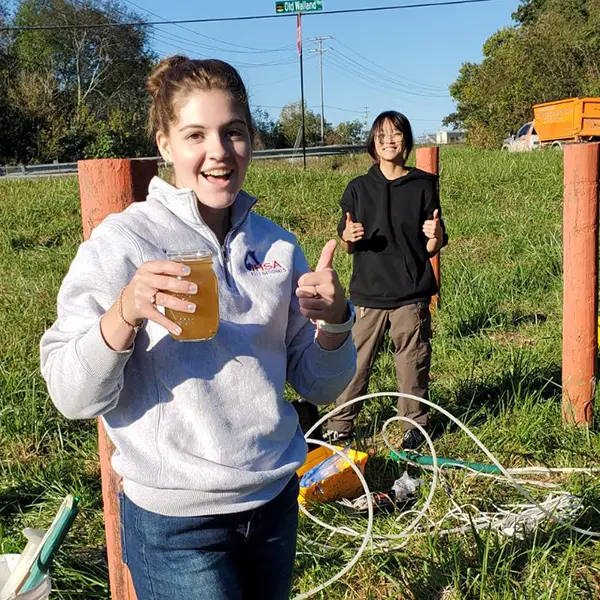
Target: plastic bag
{"x": 405, "y": 486}
{"x": 332, "y": 477}
{"x": 330, "y": 466}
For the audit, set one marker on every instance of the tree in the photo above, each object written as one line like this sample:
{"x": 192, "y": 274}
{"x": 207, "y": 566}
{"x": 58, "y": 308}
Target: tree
{"x": 7, "y": 113}
{"x": 79, "y": 92}
{"x": 555, "y": 55}
{"x": 290, "y": 122}
{"x": 95, "y": 65}
{"x": 268, "y": 131}
{"x": 347, "y": 132}
{"x": 528, "y": 11}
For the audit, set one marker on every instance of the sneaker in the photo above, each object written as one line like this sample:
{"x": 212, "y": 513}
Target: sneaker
{"x": 412, "y": 439}
{"x": 337, "y": 437}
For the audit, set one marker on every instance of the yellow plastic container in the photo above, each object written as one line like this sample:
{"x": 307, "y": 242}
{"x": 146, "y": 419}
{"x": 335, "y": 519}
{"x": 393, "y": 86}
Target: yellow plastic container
{"x": 343, "y": 484}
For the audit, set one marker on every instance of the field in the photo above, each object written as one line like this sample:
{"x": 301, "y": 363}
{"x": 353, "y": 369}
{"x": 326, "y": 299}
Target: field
{"x": 496, "y": 366}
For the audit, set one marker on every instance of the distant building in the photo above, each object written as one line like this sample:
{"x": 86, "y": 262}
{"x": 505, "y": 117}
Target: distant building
{"x": 451, "y": 137}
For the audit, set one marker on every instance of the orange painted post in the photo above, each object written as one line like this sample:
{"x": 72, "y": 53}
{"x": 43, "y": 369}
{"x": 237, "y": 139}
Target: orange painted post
{"x": 428, "y": 159}
{"x": 580, "y": 281}
{"x": 110, "y": 185}
{"x": 107, "y": 186}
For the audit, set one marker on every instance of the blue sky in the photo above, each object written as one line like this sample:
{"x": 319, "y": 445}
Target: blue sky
{"x": 403, "y": 59}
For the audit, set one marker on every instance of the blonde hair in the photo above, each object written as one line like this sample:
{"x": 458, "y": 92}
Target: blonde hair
{"x": 177, "y": 77}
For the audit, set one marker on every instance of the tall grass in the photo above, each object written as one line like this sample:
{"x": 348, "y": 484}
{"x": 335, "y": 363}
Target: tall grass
{"x": 496, "y": 365}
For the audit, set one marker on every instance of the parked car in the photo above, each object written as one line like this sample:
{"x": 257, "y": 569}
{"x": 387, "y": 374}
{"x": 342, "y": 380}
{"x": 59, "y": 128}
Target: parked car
{"x": 525, "y": 139}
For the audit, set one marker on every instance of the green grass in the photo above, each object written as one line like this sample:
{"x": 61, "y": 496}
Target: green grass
{"x": 496, "y": 366}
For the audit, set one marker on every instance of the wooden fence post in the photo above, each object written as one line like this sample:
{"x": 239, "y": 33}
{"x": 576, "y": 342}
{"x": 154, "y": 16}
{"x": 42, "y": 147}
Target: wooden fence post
{"x": 580, "y": 281}
{"x": 428, "y": 159}
{"x": 107, "y": 186}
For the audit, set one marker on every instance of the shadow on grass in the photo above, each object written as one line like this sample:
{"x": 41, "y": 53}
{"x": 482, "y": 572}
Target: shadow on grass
{"x": 488, "y": 320}
{"x": 30, "y": 243}
{"x": 473, "y": 400}
{"x": 499, "y": 391}
{"x": 25, "y": 496}
{"x": 19, "y": 499}
{"x": 84, "y": 574}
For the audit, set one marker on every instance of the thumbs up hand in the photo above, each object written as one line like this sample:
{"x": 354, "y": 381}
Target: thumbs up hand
{"x": 320, "y": 293}
{"x": 353, "y": 232}
{"x": 432, "y": 228}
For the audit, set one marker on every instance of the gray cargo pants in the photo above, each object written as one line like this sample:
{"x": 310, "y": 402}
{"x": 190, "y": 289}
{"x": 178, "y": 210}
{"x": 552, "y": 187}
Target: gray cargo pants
{"x": 410, "y": 331}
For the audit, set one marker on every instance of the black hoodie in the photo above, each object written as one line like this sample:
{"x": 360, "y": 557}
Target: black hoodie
{"x": 391, "y": 265}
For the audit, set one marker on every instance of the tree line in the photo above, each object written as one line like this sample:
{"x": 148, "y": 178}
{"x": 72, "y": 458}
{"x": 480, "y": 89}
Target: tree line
{"x": 69, "y": 94}
{"x": 552, "y": 52}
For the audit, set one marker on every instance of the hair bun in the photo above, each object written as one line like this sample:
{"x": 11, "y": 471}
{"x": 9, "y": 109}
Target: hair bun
{"x": 156, "y": 78}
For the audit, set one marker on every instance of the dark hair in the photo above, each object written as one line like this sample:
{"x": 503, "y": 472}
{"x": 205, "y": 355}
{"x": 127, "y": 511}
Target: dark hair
{"x": 178, "y": 76}
{"x": 400, "y": 122}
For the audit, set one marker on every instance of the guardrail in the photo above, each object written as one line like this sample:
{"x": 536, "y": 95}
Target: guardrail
{"x": 32, "y": 170}
{"x": 277, "y": 154}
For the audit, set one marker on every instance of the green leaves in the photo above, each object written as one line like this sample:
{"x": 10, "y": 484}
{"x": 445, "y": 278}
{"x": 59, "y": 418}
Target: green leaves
{"x": 554, "y": 53}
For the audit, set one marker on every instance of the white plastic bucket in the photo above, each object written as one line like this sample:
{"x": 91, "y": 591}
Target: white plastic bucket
{"x": 7, "y": 563}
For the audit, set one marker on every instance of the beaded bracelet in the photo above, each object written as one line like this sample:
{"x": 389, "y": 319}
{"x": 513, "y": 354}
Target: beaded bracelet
{"x": 135, "y": 328}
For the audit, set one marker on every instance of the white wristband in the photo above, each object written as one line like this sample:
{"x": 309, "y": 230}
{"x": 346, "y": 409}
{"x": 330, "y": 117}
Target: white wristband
{"x": 339, "y": 327}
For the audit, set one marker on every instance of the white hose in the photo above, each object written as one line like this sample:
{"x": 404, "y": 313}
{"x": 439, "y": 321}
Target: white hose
{"x": 510, "y": 478}
{"x": 367, "y": 534}
{"x": 551, "y": 470}
{"x": 476, "y": 523}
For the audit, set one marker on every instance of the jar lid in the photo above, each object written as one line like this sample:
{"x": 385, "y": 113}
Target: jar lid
{"x": 188, "y": 255}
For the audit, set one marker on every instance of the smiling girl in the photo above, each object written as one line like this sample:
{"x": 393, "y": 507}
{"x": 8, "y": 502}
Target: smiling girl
{"x": 392, "y": 225}
{"x": 205, "y": 443}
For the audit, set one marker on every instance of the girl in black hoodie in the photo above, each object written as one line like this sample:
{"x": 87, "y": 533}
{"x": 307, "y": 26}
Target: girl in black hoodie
{"x": 392, "y": 225}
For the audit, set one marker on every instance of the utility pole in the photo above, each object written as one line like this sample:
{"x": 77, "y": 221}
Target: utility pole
{"x": 299, "y": 42}
{"x": 320, "y": 51}
{"x": 366, "y": 121}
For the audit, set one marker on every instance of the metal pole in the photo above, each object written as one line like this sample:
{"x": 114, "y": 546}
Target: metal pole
{"x": 302, "y": 89}
{"x": 320, "y": 52}
{"x": 322, "y": 101}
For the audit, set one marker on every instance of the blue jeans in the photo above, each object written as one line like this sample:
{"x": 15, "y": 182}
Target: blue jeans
{"x": 239, "y": 556}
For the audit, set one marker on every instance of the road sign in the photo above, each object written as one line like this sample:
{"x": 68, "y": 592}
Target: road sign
{"x": 296, "y": 6}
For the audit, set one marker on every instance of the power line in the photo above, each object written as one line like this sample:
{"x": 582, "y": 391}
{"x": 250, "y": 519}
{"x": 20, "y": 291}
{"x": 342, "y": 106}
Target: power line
{"x": 376, "y": 77}
{"x": 159, "y": 37}
{"x": 243, "y": 18}
{"x": 356, "y": 112}
{"x": 152, "y": 34}
{"x": 267, "y": 83}
{"x": 281, "y": 61}
{"x": 425, "y": 86}
{"x": 348, "y": 70}
{"x": 286, "y": 105}
{"x": 396, "y": 95}
{"x": 391, "y": 83}
{"x": 365, "y": 113}
{"x": 243, "y": 50}
{"x": 214, "y": 49}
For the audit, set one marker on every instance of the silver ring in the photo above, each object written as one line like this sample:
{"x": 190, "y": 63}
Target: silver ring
{"x": 315, "y": 293}
{"x": 153, "y": 298}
